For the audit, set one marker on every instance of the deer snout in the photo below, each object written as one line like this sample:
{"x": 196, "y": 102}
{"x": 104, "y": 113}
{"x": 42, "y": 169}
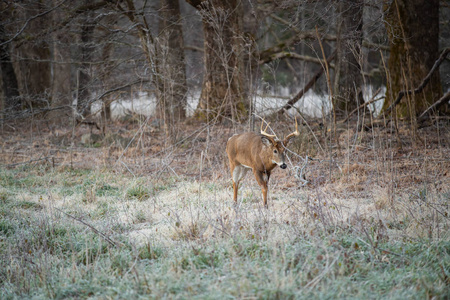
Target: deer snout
{"x": 283, "y": 166}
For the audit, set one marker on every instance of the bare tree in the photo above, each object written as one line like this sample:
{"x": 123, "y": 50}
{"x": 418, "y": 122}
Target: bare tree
{"x": 348, "y": 77}
{"x": 9, "y": 85}
{"x": 33, "y": 67}
{"x": 97, "y": 49}
{"x": 105, "y": 75}
{"x": 87, "y": 47}
{"x": 413, "y": 30}
{"x": 61, "y": 99}
{"x": 173, "y": 88}
{"x": 223, "y": 90}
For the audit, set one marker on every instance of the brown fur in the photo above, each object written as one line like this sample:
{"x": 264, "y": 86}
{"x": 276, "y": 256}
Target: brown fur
{"x": 251, "y": 150}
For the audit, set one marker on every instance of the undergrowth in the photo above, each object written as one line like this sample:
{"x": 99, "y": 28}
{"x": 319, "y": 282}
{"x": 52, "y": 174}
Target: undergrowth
{"x": 99, "y": 234}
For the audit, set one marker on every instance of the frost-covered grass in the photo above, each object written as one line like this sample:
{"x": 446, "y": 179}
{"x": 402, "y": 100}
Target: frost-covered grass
{"x": 68, "y": 233}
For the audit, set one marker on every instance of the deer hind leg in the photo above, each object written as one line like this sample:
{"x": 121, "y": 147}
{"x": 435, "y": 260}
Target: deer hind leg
{"x": 237, "y": 173}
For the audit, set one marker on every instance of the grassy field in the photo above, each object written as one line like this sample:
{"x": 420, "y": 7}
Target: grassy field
{"x": 370, "y": 229}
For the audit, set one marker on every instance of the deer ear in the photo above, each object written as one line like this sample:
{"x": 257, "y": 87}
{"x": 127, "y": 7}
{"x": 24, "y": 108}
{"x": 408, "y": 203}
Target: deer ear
{"x": 266, "y": 142}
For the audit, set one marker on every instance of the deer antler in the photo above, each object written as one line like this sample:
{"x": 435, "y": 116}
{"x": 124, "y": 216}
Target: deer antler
{"x": 263, "y": 132}
{"x": 293, "y": 134}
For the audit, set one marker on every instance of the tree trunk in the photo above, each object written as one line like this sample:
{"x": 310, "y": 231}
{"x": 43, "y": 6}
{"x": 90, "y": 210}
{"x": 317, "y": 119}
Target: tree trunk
{"x": 9, "y": 85}
{"x": 86, "y": 54}
{"x": 251, "y": 24}
{"x": 33, "y": 68}
{"x": 413, "y": 31}
{"x": 105, "y": 72}
{"x": 173, "y": 87}
{"x": 61, "y": 83}
{"x": 348, "y": 78}
{"x": 223, "y": 90}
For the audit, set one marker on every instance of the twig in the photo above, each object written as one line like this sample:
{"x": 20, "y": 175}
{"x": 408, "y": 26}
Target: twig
{"x": 125, "y": 165}
{"x": 310, "y": 129}
{"x": 31, "y": 112}
{"x": 19, "y": 32}
{"x": 307, "y": 87}
{"x": 72, "y": 14}
{"x": 293, "y": 55}
{"x": 329, "y": 37}
{"x": 330, "y": 90}
{"x": 316, "y": 280}
{"x": 326, "y": 69}
{"x": 435, "y": 105}
{"x": 193, "y": 48}
{"x": 27, "y": 162}
{"x": 422, "y": 85}
{"x": 300, "y": 169}
{"x": 372, "y": 100}
{"x": 104, "y": 236}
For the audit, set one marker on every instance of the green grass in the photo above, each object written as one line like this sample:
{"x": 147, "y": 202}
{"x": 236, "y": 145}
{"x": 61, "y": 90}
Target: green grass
{"x": 133, "y": 240}
{"x": 138, "y": 192}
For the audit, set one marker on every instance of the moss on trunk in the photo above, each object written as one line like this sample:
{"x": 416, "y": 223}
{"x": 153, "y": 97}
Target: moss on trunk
{"x": 413, "y": 30}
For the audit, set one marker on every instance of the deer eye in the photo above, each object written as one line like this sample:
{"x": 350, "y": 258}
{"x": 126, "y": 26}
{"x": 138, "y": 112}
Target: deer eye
{"x": 275, "y": 151}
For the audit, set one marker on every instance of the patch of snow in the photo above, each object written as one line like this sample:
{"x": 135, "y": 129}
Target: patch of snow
{"x": 311, "y": 104}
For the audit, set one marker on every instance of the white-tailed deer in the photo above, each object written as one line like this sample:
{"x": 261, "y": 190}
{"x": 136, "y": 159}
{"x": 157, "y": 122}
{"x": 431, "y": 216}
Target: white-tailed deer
{"x": 259, "y": 152}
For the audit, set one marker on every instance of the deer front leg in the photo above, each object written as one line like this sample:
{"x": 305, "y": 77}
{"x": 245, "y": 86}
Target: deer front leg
{"x": 235, "y": 184}
{"x": 263, "y": 178}
{"x": 235, "y": 190}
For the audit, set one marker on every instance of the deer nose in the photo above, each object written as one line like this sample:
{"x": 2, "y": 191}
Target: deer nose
{"x": 283, "y": 166}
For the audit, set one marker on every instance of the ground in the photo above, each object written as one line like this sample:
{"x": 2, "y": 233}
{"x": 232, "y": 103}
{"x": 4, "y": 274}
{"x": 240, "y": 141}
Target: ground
{"x": 133, "y": 213}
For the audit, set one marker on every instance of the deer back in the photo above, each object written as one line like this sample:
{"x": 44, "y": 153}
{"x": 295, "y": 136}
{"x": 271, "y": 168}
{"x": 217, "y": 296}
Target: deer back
{"x": 249, "y": 150}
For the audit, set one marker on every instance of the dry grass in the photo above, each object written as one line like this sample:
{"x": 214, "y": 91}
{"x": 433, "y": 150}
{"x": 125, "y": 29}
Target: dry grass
{"x": 155, "y": 220}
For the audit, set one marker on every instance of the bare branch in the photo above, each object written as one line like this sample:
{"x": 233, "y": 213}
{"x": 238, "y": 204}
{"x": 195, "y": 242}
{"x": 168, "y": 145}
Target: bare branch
{"x": 27, "y": 22}
{"x": 193, "y": 48}
{"x": 285, "y": 54}
{"x": 444, "y": 99}
{"x": 372, "y": 100}
{"x": 422, "y": 85}
{"x": 327, "y": 37}
{"x": 195, "y": 3}
{"x": 96, "y": 231}
{"x": 29, "y": 161}
{"x": 74, "y": 13}
{"x": 309, "y": 85}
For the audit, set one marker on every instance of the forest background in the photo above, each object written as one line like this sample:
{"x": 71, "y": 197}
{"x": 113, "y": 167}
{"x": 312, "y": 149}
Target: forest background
{"x": 114, "y": 116}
